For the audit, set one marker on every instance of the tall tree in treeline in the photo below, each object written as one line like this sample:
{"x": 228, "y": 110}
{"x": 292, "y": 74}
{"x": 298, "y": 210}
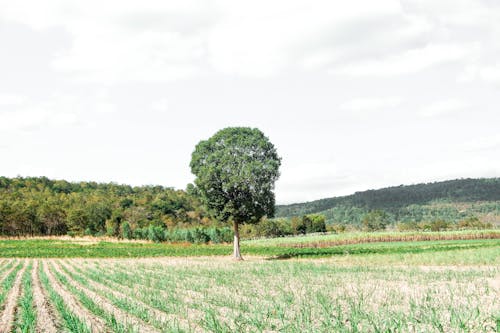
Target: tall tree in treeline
{"x": 235, "y": 174}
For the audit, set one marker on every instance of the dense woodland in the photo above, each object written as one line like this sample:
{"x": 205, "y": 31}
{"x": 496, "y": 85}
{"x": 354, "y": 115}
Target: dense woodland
{"x": 40, "y": 206}
{"x": 36, "y": 206}
{"x": 450, "y": 201}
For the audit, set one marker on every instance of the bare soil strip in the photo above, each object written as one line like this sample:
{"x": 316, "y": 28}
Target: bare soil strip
{"x": 7, "y": 272}
{"x": 45, "y": 314}
{"x": 192, "y": 300}
{"x": 96, "y": 324}
{"x": 137, "y": 286}
{"x": 120, "y": 315}
{"x": 159, "y": 315}
{"x": 9, "y": 310}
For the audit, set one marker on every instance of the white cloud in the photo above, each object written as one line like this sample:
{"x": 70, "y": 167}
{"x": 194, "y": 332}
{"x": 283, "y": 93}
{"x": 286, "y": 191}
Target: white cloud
{"x": 116, "y": 61}
{"x": 164, "y": 41}
{"x": 105, "y": 107}
{"x": 487, "y": 73}
{"x": 160, "y": 105}
{"x": 408, "y": 62}
{"x": 484, "y": 143}
{"x": 10, "y": 100}
{"x": 59, "y": 111}
{"x": 370, "y": 104}
{"x": 490, "y": 73}
{"x": 444, "y": 107}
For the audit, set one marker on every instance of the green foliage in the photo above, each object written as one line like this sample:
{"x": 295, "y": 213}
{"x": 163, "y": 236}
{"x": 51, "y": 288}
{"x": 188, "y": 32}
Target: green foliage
{"x": 375, "y": 220}
{"x": 34, "y": 248}
{"x": 314, "y": 223}
{"x": 452, "y": 201}
{"x": 273, "y": 228}
{"x": 197, "y": 235}
{"x": 126, "y": 231}
{"x": 235, "y": 174}
{"x": 39, "y": 206}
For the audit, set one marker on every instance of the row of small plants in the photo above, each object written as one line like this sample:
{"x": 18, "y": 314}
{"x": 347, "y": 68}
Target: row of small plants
{"x": 196, "y": 235}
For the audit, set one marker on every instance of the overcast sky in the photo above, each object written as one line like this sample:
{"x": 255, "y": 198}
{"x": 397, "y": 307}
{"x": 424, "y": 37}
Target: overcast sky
{"x": 354, "y": 94}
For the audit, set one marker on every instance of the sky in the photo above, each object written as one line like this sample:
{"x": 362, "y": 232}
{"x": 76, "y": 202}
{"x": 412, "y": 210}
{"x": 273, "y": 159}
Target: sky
{"x": 355, "y": 95}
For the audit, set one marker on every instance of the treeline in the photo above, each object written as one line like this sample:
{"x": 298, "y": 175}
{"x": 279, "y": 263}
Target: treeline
{"x": 281, "y": 227}
{"x": 452, "y": 201}
{"x": 40, "y": 206}
{"x": 376, "y": 220}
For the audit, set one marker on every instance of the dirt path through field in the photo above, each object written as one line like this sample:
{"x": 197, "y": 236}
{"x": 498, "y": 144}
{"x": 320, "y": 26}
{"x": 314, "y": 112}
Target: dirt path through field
{"x": 96, "y": 324}
{"x": 45, "y": 314}
{"x": 10, "y": 306}
{"x": 120, "y": 315}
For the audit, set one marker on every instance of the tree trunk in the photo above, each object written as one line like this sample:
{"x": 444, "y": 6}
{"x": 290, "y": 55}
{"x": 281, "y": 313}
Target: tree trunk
{"x": 236, "y": 253}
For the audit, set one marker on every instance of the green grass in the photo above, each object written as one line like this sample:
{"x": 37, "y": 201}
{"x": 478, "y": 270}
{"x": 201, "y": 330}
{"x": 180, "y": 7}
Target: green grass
{"x": 39, "y": 248}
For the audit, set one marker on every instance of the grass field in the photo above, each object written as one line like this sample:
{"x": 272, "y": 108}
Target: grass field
{"x": 286, "y": 247}
{"x": 421, "y": 286}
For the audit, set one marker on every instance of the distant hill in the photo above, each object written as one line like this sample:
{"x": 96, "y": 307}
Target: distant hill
{"x": 448, "y": 200}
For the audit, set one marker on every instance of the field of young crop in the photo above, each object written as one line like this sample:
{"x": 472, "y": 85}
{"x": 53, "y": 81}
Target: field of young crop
{"x": 366, "y": 293}
{"x": 284, "y": 247}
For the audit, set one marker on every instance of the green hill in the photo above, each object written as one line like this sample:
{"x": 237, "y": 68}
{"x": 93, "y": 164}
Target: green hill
{"x": 41, "y": 206}
{"x": 451, "y": 200}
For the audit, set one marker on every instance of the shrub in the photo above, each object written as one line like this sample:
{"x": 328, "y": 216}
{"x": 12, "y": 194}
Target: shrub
{"x": 336, "y": 228}
{"x": 126, "y": 232}
{"x": 200, "y": 236}
{"x": 375, "y": 220}
{"x": 314, "y": 223}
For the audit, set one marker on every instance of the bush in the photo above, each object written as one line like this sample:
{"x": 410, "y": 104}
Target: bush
{"x": 439, "y": 225}
{"x": 375, "y": 220}
{"x": 155, "y": 234}
{"x": 274, "y": 228}
{"x": 298, "y": 226}
{"x": 336, "y": 228}
{"x": 314, "y": 223}
{"x": 200, "y": 236}
{"x": 220, "y": 235}
{"x": 473, "y": 223}
{"x": 126, "y": 232}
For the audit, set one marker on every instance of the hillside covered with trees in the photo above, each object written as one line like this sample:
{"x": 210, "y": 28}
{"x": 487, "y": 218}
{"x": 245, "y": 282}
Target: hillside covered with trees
{"x": 40, "y": 206}
{"x": 450, "y": 201}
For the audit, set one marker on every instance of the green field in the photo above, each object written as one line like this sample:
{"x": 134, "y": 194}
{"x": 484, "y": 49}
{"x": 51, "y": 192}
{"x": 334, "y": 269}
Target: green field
{"x": 86, "y": 285}
{"x": 382, "y": 243}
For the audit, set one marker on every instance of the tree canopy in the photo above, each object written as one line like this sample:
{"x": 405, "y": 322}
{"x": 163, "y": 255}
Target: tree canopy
{"x": 235, "y": 173}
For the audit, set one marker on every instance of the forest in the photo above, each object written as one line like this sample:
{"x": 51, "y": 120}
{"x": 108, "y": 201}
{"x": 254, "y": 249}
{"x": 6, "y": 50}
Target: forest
{"x": 41, "y": 206}
{"x": 450, "y": 201}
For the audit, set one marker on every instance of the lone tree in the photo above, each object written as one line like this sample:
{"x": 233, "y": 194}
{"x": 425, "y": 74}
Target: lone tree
{"x": 235, "y": 174}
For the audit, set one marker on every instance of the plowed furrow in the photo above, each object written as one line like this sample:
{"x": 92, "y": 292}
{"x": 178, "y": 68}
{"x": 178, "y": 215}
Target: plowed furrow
{"x": 138, "y": 287}
{"x": 195, "y": 305}
{"x": 95, "y": 323}
{"x": 10, "y": 306}
{"x": 46, "y": 318}
{"x": 7, "y": 272}
{"x": 120, "y": 315}
{"x": 130, "y": 296}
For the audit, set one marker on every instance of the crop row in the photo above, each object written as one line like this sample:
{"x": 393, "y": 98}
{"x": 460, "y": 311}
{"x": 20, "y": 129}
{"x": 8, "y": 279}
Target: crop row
{"x": 219, "y": 295}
